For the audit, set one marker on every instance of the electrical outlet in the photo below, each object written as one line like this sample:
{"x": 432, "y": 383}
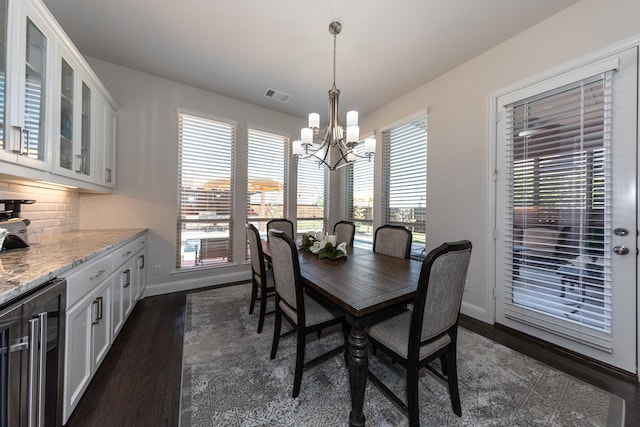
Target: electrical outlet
{"x": 157, "y": 269}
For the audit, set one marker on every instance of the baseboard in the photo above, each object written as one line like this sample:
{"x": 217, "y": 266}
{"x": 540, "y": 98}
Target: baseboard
{"x": 189, "y": 284}
{"x": 475, "y": 312}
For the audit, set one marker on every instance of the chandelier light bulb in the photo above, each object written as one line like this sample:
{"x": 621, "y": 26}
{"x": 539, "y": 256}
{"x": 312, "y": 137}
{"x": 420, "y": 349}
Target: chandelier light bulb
{"x": 353, "y": 133}
{"x": 352, "y": 118}
{"x": 314, "y": 120}
{"x": 306, "y": 134}
{"x": 369, "y": 145}
{"x": 296, "y": 147}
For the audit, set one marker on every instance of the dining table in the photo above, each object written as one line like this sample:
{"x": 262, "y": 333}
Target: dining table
{"x": 367, "y": 287}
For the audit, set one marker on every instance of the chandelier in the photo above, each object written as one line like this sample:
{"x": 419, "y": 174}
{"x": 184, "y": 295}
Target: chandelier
{"x": 332, "y": 147}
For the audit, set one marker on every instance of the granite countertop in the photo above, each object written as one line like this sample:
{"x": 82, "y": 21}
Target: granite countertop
{"x": 22, "y": 270}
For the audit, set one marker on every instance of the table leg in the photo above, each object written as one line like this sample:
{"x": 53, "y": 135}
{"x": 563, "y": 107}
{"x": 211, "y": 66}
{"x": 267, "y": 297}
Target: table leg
{"x": 358, "y": 366}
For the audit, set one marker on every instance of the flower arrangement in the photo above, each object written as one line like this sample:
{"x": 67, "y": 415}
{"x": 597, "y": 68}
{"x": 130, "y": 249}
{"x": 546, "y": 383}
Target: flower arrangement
{"x": 325, "y": 248}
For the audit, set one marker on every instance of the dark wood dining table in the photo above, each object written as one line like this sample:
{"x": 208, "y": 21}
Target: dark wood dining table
{"x": 367, "y": 287}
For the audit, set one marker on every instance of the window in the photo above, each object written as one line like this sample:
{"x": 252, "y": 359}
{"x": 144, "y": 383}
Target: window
{"x": 404, "y": 170}
{"x": 266, "y": 173}
{"x": 311, "y": 206}
{"x": 205, "y": 191}
{"x": 359, "y": 196}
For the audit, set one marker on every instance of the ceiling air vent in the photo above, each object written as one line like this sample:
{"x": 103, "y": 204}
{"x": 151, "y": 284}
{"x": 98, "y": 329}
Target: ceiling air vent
{"x": 276, "y": 94}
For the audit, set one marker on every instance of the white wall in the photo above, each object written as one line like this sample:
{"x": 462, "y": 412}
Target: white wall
{"x": 459, "y": 179}
{"x": 458, "y": 164}
{"x": 146, "y": 172}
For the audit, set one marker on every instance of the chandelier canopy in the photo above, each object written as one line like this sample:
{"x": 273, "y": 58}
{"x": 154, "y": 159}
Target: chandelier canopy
{"x": 336, "y": 148}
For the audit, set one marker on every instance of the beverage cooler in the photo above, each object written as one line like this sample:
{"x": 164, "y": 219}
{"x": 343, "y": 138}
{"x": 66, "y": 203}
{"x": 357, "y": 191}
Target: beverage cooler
{"x": 32, "y": 358}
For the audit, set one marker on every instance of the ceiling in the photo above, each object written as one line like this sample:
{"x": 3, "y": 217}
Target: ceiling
{"x": 240, "y": 48}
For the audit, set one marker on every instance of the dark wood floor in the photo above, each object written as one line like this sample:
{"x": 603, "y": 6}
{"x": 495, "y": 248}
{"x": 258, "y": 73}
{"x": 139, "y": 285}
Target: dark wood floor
{"x": 138, "y": 383}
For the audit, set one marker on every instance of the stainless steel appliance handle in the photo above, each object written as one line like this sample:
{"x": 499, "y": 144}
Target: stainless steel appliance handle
{"x": 33, "y": 372}
{"x": 42, "y": 367}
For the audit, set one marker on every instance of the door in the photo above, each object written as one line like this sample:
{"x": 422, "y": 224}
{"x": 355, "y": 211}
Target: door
{"x": 566, "y": 209}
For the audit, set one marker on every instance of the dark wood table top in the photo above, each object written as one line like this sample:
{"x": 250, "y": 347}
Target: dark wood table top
{"x": 361, "y": 284}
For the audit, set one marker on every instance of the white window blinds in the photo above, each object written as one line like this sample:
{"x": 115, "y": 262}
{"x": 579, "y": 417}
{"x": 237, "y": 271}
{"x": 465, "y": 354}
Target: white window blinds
{"x": 205, "y": 191}
{"x": 266, "y": 173}
{"x": 559, "y": 157}
{"x": 404, "y": 169}
{"x": 359, "y": 196}
{"x": 312, "y": 187}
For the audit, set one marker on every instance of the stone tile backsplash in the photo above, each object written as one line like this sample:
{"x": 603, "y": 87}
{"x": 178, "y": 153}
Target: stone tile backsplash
{"x": 56, "y": 210}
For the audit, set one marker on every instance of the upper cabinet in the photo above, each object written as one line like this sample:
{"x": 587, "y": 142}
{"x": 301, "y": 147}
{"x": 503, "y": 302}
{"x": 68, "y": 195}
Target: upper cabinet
{"x": 57, "y": 121}
{"x": 28, "y": 40}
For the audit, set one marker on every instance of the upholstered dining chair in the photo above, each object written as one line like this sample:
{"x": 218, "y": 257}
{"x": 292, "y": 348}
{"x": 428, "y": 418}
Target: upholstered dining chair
{"x": 393, "y": 240}
{"x": 298, "y": 307}
{"x": 261, "y": 278}
{"x": 345, "y": 231}
{"x": 415, "y": 338}
{"x": 281, "y": 224}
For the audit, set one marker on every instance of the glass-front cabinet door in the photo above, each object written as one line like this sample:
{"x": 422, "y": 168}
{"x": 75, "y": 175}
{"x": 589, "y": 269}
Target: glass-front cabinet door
{"x": 26, "y": 88}
{"x": 4, "y": 14}
{"x": 65, "y": 149}
{"x": 75, "y": 133}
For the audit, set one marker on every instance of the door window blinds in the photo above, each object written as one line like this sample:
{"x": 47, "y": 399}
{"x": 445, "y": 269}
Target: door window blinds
{"x": 404, "y": 170}
{"x": 558, "y": 158}
{"x": 205, "y": 192}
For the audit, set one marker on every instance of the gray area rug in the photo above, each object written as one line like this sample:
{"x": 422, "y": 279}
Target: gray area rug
{"x": 229, "y": 380}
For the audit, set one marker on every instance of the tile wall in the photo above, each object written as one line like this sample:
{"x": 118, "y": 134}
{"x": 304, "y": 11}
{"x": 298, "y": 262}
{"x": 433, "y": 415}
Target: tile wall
{"x": 56, "y": 210}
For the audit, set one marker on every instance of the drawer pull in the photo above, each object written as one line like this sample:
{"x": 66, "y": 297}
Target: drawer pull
{"x": 126, "y": 253}
{"x": 98, "y": 274}
{"x": 127, "y": 281}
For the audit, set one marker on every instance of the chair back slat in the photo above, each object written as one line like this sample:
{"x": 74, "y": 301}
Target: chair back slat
{"x": 281, "y": 224}
{"x": 285, "y": 268}
{"x": 345, "y": 231}
{"x": 393, "y": 240}
{"x": 444, "y": 292}
{"x": 255, "y": 249}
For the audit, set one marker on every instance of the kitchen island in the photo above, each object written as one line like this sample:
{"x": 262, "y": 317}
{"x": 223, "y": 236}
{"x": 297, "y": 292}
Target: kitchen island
{"x": 22, "y": 270}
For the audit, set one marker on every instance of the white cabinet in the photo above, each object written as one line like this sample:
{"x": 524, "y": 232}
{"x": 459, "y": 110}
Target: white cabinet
{"x": 88, "y": 328}
{"x": 27, "y": 85}
{"x": 100, "y": 297}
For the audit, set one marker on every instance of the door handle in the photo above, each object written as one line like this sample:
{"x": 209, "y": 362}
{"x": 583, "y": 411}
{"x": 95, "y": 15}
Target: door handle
{"x": 621, "y": 250}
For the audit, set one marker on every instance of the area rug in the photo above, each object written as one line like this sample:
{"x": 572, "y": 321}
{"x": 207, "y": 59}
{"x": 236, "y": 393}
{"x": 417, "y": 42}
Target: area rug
{"x": 229, "y": 380}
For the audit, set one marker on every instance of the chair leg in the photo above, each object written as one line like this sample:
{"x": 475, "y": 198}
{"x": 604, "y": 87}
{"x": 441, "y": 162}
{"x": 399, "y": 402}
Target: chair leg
{"x": 412, "y": 396}
{"x": 452, "y": 379}
{"x": 263, "y": 309}
{"x": 300, "y": 344}
{"x": 276, "y": 332}
{"x": 254, "y": 296}
{"x": 443, "y": 365}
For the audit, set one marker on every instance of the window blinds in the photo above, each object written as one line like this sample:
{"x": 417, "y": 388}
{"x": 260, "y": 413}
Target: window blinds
{"x": 559, "y": 167}
{"x": 311, "y": 206}
{"x": 266, "y": 184}
{"x": 205, "y": 191}
{"x": 359, "y": 196}
{"x": 404, "y": 170}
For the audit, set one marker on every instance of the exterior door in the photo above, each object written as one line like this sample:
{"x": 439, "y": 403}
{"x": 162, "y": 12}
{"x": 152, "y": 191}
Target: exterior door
{"x": 566, "y": 209}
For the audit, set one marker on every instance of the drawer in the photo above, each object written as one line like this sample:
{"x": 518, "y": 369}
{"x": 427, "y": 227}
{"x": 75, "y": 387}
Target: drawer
{"x": 85, "y": 279}
{"x": 125, "y": 252}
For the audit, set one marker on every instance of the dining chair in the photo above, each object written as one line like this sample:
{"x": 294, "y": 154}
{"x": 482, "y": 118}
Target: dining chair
{"x": 345, "y": 231}
{"x": 261, "y": 277}
{"x": 281, "y": 224}
{"x": 297, "y": 306}
{"x": 415, "y": 338}
{"x": 393, "y": 240}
